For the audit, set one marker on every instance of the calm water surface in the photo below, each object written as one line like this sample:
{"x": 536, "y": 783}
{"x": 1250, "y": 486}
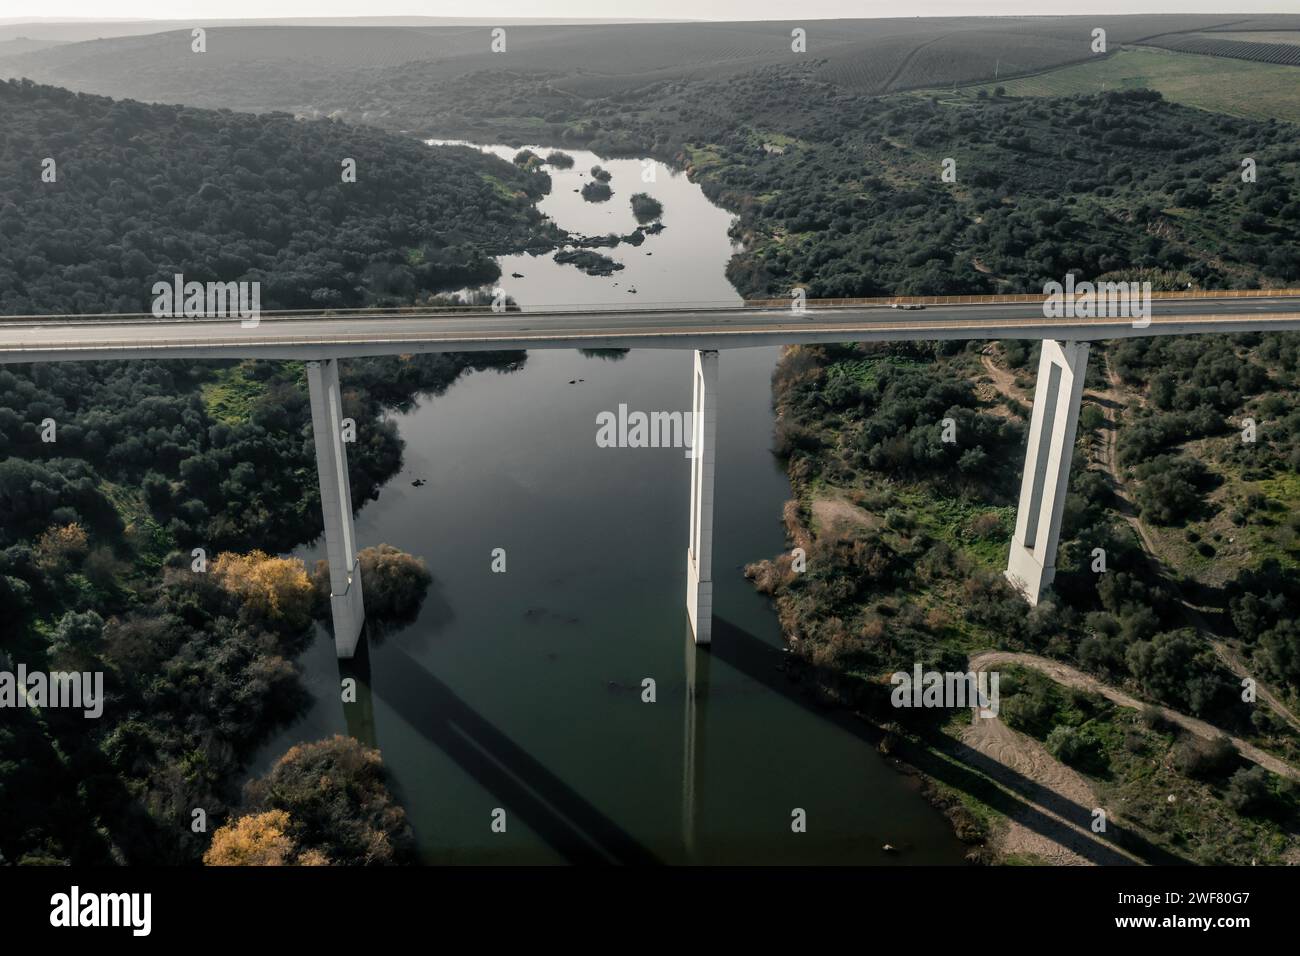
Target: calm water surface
{"x": 522, "y": 690}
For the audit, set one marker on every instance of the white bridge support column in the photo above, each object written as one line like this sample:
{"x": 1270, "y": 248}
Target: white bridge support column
{"x": 347, "y": 605}
{"x": 699, "y": 554}
{"x": 1052, "y": 428}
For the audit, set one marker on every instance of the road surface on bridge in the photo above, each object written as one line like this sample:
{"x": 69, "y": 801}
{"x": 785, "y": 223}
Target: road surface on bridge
{"x": 69, "y": 338}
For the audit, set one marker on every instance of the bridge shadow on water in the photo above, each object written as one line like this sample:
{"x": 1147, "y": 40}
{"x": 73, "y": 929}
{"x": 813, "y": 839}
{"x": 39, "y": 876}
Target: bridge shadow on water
{"x": 1029, "y": 804}
{"x": 562, "y": 817}
{"x": 581, "y": 833}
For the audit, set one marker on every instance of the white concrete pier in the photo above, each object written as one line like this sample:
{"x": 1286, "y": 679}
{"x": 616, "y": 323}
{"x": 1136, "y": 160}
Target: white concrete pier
{"x": 1031, "y": 565}
{"x": 699, "y": 554}
{"x": 347, "y": 604}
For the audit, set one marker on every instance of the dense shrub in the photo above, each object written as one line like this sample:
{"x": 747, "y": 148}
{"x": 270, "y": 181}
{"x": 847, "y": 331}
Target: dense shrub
{"x": 337, "y": 803}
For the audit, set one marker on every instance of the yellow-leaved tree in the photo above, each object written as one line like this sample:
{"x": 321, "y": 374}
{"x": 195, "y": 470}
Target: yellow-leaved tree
{"x": 259, "y": 839}
{"x": 277, "y": 589}
{"x": 60, "y": 545}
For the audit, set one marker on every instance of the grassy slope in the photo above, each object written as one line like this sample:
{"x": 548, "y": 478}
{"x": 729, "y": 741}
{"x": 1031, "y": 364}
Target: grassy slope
{"x": 231, "y": 395}
{"x": 1218, "y": 84}
{"x": 1266, "y": 534}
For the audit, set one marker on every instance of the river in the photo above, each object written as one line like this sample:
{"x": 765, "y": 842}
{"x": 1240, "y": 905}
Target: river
{"x": 522, "y": 691}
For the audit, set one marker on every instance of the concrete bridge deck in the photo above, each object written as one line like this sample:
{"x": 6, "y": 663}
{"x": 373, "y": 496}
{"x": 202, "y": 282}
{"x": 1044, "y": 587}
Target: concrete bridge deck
{"x": 326, "y": 335}
{"x": 321, "y": 339}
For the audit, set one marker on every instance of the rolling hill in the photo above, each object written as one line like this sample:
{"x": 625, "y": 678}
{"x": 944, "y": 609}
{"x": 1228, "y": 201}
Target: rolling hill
{"x": 333, "y": 68}
{"x": 20, "y": 45}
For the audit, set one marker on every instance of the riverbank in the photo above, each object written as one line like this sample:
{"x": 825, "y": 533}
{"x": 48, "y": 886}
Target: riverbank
{"x": 903, "y": 538}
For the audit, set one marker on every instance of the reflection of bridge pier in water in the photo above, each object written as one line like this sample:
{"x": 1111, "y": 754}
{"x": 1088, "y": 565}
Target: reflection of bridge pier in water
{"x": 359, "y": 714}
{"x": 696, "y": 701}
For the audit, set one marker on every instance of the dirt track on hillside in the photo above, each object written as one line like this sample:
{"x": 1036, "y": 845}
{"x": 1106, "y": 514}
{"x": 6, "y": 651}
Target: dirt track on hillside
{"x": 1055, "y": 831}
{"x": 1072, "y": 677}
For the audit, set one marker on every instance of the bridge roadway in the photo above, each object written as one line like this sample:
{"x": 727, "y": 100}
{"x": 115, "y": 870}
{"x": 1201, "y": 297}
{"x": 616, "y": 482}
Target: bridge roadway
{"x": 320, "y": 340}
{"x": 325, "y": 336}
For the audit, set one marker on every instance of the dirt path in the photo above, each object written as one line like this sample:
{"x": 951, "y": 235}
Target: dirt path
{"x": 1040, "y": 829}
{"x": 907, "y": 60}
{"x": 1071, "y": 677}
{"x": 1110, "y": 402}
{"x": 1003, "y": 380}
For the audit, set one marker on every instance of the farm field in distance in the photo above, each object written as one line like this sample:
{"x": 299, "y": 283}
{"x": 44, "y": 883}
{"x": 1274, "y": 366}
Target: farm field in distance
{"x": 1218, "y": 84}
{"x": 386, "y": 75}
{"x": 1231, "y": 45}
{"x": 1253, "y": 36}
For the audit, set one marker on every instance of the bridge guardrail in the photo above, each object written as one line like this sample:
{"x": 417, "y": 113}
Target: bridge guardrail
{"x": 1015, "y": 298}
{"x": 585, "y": 335}
{"x": 132, "y": 318}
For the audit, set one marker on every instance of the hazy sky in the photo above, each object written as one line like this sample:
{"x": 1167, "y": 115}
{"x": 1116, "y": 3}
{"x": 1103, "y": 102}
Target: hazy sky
{"x": 634, "y": 9}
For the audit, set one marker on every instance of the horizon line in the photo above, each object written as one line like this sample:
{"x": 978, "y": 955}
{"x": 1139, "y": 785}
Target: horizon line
{"x": 18, "y": 21}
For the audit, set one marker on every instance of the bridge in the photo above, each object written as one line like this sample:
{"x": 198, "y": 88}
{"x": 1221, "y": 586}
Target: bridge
{"x": 322, "y": 338}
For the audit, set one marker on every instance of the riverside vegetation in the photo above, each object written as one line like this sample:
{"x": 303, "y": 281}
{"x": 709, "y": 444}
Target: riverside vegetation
{"x": 154, "y": 459}
{"x": 906, "y": 536}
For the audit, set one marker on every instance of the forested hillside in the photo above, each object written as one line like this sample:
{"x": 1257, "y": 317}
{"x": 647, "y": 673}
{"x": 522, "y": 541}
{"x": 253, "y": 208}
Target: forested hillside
{"x": 143, "y": 192}
{"x": 147, "y": 461}
{"x": 843, "y": 194}
{"x": 1099, "y": 185}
